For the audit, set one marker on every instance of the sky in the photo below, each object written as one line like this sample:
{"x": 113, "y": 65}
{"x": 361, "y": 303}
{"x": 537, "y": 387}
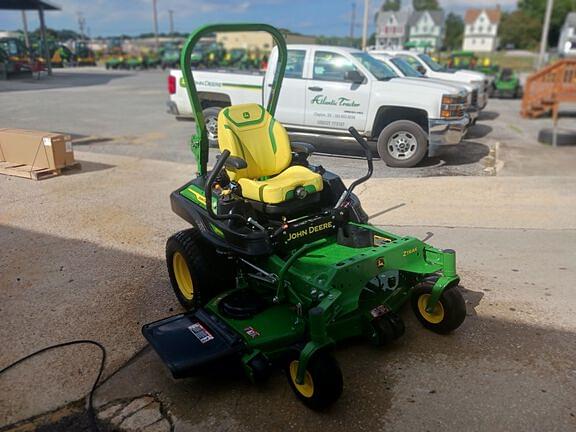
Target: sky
{"x": 133, "y": 17}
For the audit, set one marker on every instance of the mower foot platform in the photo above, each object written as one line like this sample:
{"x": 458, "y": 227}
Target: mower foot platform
{"x": 194, "y": 342}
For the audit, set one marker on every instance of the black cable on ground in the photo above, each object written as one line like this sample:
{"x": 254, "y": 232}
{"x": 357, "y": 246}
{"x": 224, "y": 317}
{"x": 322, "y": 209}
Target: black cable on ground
{"x": 91, "y": 413}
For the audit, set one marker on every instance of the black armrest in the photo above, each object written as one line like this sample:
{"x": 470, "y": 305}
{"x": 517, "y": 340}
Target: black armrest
{"x": 305, "y": 148}
{"x": 235, "y": 163}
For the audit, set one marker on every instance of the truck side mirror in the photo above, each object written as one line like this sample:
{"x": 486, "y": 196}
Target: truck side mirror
{"x": 354, "y": 77}
{"x": 421, "y": 69}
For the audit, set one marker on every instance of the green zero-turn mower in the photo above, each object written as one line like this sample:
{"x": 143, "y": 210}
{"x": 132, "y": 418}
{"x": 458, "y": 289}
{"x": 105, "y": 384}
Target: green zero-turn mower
{"x": 507, "y": 84}
{"x": 280, "y": 263}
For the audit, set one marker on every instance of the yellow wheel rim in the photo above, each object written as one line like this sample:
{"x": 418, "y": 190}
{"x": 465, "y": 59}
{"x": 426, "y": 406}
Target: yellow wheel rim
{"x": 183, "y": 277}
{"x": 306, "y": 389}
{"x": 434, "y": 317}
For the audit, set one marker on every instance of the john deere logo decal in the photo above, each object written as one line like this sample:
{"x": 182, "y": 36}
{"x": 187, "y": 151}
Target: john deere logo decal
{"x": 246, "y": 114}
{"x": 380, "y": 262}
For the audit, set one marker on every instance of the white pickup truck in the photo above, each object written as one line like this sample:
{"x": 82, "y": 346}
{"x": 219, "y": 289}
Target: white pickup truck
{"x": 328, "y": 89}
{"x": 424, "y": 64}
{"x": 406, "y": 70}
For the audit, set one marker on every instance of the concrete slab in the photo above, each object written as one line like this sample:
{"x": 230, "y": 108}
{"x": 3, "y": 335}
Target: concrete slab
{"x": 82, "y": 257}
{"x": 509, "y": 367}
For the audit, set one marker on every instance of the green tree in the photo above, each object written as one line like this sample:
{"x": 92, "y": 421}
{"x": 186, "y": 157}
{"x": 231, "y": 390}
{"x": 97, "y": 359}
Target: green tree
{"x": 390, "y": 5}
{"x": 537, "y": 8}
{"x": 519, "y": 29}
{"x": 420, "y": 5}
{"x": 454, "y": 31}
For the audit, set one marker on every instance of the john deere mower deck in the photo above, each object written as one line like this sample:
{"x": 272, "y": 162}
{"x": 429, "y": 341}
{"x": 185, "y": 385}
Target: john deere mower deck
{"x": 281, "y": 264}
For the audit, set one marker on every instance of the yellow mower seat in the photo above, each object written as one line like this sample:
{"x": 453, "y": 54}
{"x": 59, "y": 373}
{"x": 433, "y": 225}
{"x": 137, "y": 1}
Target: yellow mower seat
{"x": 248, "y": 131}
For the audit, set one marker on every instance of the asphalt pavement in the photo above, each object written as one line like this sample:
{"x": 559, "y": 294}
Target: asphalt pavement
{"x": 81, "y": 256}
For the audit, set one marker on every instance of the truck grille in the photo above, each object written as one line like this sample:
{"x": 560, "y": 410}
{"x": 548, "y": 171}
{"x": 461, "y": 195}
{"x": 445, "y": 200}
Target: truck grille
{"x": 474, "y": 100}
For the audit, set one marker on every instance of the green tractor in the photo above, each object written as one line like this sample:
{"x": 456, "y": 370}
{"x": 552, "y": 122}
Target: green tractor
{"x": 61, "y": 56}
{"x": 280, "y": 263}
{"x": 17, "y": 59}
{"x": 469, "y": 60}
{"x": 84, "y": 55}
{"x": 3, "y": 65}
{"x": 115, "y": 58}
{"x": 116, "y": 61}
{"x": 234, "y": 57}
{"x": 134, "y": 62}
{"x": 151, "y": 60}
{"x": 170, "y": 56}
{"x": 207, "y": 55}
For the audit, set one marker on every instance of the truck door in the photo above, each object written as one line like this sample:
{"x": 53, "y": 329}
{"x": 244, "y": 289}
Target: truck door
{"x": 332, "y": 100}
{"x": 290, "y": 109}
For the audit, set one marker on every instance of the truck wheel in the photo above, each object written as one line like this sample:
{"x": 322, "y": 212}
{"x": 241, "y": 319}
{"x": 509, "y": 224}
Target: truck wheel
{"x": 197, "y": 273}
{"x": 402, "y": 144}
{"x": 322, "y": 384}
{"x": 211, "y": 120}
{"x": 449, "y": 313}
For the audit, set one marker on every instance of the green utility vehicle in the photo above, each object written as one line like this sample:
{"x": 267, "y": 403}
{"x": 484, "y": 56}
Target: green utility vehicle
{"x": 280, "y": 263}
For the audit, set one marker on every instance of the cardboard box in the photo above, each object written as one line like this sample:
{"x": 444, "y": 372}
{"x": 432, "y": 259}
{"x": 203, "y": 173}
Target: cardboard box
{"x": 36, "y": 149}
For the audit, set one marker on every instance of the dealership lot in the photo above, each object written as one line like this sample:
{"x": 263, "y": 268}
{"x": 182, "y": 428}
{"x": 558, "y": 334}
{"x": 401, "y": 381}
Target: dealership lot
{"x": 82, "y": 257}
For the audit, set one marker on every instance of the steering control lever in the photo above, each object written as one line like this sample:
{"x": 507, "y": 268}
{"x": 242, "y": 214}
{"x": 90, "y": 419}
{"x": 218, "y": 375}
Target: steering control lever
{"x": 344, "y": 197}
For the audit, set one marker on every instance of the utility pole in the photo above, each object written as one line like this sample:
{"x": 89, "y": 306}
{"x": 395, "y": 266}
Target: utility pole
{"x": 171, "y": 13}
{"x": 44, "y": 44}
{"x": 25, "y": 26}
{"x": 365, "y": 25}
{"x": 545, "y": 30}
{"x": 81, "y": 25}
{"x": 353, "y": 20}
{"x": 156, "y": 43}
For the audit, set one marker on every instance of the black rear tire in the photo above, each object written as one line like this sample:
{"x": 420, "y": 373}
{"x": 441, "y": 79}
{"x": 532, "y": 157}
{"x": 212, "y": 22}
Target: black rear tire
{"x": 392, "y": 138}
{"x": 449, "y": 313}
{"x": 209, "y": 272}
{"x": 323, "y": 383}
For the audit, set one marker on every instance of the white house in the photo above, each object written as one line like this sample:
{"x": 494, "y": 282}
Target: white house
{"x": 426, "y": 29}
{"x": 391, "y": 29}
{"x": 481, "y": 29}
{"x": 567, "y": 41}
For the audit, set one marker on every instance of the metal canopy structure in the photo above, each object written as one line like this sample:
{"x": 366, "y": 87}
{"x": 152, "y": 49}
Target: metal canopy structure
{"x": 40, "y": 6}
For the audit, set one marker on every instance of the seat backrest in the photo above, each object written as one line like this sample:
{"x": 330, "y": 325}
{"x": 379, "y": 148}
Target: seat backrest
{"x": 250, "y": 132}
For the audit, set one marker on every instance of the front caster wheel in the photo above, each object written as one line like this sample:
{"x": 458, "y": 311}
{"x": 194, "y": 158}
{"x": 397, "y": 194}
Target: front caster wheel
{"x": 322, "y": 384}
{"x": 448, "y": 314}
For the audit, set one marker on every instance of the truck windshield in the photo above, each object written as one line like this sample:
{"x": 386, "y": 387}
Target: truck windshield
{"x": 431, "y": 63}
{"x": 380, "y": 71}
{"x": 405, "y": 68}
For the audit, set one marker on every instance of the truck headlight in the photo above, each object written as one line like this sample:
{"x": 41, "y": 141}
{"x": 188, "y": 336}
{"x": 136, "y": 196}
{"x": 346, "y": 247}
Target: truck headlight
{"x": 452, "y": 106}
{"x": 451, "y": 99}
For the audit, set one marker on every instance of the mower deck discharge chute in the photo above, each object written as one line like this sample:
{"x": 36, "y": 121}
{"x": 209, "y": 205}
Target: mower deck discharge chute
{"x": 281, "y": 264}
